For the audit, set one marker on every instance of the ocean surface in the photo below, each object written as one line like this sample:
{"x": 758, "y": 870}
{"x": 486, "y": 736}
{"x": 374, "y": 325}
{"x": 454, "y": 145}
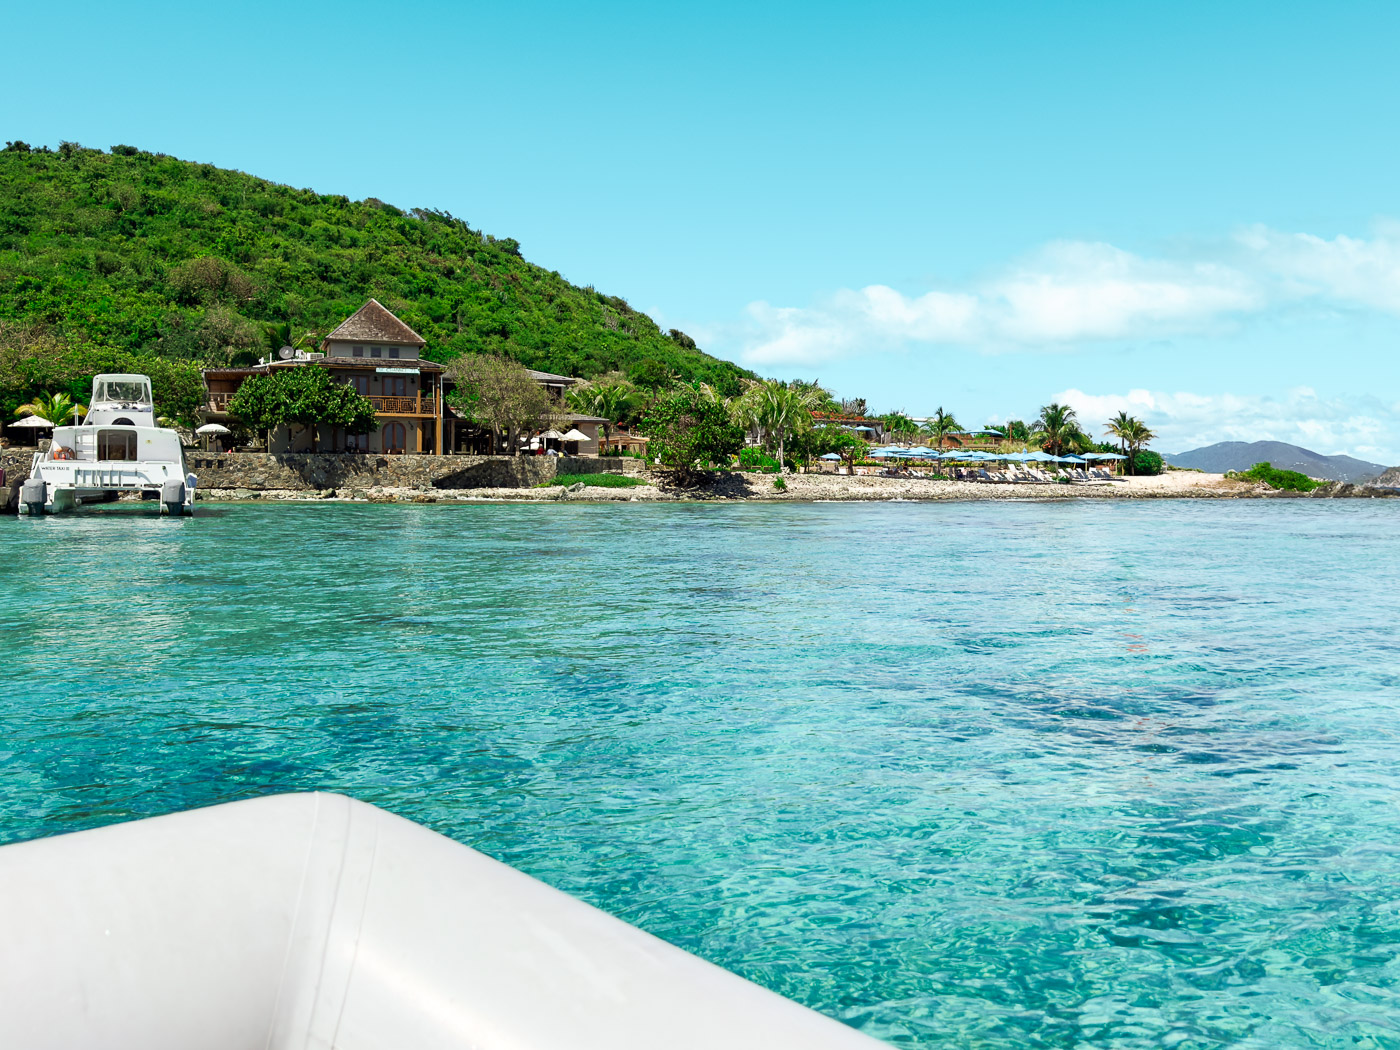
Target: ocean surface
{"x": 1072, "y": 774}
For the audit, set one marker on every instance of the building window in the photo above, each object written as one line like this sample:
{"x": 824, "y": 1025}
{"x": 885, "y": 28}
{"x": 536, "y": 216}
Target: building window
{"x": 359, "y": 351}
{"x": 374, "y": 351}
{"x": 395, "y": 386}
{"x": 393, "y": 351}
{"x": 394, "y": 437}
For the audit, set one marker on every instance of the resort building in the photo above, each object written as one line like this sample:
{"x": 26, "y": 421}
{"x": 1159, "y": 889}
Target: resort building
{"x": 381, "y": 357}
{"x": 377, "y": 354}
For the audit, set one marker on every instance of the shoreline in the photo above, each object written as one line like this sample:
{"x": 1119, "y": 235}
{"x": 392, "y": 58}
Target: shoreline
{"x": 815, "y": 488}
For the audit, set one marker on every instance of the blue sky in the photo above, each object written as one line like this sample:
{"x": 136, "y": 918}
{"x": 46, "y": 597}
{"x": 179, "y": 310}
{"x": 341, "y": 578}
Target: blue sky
{"x": 1189, "y": 210}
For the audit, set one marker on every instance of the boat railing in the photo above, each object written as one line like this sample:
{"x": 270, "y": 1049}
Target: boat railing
{"x": 109, "y": 476}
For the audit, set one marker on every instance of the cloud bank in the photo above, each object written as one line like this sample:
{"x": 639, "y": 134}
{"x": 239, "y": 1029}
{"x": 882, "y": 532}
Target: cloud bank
{"x": 1364, "y": 427}
{"x": 1073, "y": 292}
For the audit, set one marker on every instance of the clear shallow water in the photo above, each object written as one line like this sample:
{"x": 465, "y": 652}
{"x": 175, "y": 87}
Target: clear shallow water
{"x": 988, "y": 775}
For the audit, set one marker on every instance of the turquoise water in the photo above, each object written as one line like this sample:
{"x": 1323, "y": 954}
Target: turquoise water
{"x": 974, "y": 775}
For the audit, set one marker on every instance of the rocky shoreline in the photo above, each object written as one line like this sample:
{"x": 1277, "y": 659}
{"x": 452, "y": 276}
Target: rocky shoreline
{"x": 809, "y": 488}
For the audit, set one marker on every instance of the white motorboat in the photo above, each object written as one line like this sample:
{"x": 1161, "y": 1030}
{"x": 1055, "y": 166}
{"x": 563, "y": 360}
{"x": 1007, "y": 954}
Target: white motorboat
{"x": 118, "y": 448}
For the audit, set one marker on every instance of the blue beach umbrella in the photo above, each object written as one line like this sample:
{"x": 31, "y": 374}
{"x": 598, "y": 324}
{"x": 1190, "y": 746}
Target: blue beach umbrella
{"x": 831, "y": 455}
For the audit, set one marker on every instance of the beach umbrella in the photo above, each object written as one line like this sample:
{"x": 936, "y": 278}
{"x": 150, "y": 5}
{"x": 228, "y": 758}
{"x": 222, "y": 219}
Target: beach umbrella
{"x": 31, "y": 421}
{"x": 1072, "y": 458}
{"x": 830, "y": 455}
{"x": 212, "y": 428}
{"x": 554, "y": 434}
{"x": 576, "y": 435}
{"x": 1040, "y": 456}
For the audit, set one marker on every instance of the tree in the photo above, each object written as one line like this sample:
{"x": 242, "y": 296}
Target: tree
{"x": 499, "y": 395}
{"x": 690, "y": 430}
{"x": 1057, "y": 429}
{"x": 942, "y": 426}
{"x": 58, "y": 409}
{"x": 304, "y": 396}
{"x": 1132, "y": 434}
{"x": 777, "y": 410}
{"x": 824, "y": 440}
{"x": 1120, "y": 426}
{"x": 899, "y": 425}
{"x": 612, "y": 402}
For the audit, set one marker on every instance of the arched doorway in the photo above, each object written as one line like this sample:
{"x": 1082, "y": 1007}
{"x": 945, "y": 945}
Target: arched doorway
{"x": 394, "y": 437}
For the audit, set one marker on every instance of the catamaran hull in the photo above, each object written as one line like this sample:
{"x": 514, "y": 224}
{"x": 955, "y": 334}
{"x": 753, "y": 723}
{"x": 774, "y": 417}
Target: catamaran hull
{"x": 40, "y": 496}
{"x": 301, "y": 921}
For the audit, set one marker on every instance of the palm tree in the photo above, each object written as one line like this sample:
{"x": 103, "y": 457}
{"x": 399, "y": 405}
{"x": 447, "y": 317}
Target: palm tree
{"x": 776, "y": 409}
{"x": 1120, "y": 426}
{"x": 612, "y": 402}
{"x": 1138, "y": 436}
{"x": 1057, "y": 428}
{"x": 941, "y": 426}
{"x": 900, "y": 425}
{"x": 58, "y": 409}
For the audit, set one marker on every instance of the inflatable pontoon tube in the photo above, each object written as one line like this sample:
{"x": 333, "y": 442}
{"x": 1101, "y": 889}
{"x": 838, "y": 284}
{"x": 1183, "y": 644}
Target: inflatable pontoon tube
{"x": 315, "y": 921}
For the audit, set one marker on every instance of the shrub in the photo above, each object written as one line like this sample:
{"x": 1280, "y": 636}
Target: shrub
{"x": 124, "y": 151}
{"x": 689, "y": 430}
{"x": 751, "y": 458}
{"x": 600, "y": 481}
{"x": 780, "y": 484}
{"x": 1287, "y": 480}
{"x": 1148, "y": 463}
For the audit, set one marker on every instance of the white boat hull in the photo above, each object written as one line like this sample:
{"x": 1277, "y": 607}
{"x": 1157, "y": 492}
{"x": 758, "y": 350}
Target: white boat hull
{"x": 301, "y": 921}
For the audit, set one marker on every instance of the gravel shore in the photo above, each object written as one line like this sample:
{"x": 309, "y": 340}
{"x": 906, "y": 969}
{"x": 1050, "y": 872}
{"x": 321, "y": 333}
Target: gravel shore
{"x": 815, "y": 487}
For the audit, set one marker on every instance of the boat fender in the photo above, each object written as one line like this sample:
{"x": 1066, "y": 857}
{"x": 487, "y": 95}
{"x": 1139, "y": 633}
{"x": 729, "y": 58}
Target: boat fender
{"x": 172, "y": 492}
{"x": 33, "y": 492}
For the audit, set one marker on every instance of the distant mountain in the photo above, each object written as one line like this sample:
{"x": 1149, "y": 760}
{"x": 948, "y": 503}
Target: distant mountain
{"x": 1241, "y": 455}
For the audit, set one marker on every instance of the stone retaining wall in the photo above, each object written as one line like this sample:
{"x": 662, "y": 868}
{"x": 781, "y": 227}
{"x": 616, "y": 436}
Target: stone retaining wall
{"x": 15, "y": 463}
{"x": 306, "y": 471}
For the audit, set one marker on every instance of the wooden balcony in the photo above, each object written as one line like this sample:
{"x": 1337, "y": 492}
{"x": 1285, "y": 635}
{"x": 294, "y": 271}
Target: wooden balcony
{"x": 402, "y": 406}
{"x": 385, "y": 406}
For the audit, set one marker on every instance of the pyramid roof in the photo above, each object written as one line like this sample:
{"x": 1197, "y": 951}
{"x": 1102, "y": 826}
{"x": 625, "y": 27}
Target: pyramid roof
{"x": 373, "y": 323}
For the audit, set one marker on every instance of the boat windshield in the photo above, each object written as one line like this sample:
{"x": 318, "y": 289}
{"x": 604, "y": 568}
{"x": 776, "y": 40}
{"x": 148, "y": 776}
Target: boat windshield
{"x": 124, "y": 390}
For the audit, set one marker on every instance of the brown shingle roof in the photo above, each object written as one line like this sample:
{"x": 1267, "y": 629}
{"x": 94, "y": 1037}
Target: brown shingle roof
{"x": 372, "y": 323}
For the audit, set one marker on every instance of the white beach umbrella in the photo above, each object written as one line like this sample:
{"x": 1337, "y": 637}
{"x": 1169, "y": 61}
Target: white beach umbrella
{"x": 576, "y": 435}
{"x": 213, "y": 428}
{"x": 552, "y": 435}
{"x": 31, "y": 421}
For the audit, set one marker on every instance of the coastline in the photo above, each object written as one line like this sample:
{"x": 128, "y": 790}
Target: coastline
{"x": 812, "y": 488}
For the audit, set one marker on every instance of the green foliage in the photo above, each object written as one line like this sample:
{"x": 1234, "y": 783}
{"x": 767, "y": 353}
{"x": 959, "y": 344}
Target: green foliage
{"x": 59, "y": 409}
{"x": 600, "y": 481}
{"x": 1287, "y": 480}
{"x": 940, "y": 428}
{"x": 1147, "y": 463}
{"x": 780, "y": 484}
{"x": 752, "y": 458}
{"x": 131, "y": 252}
{"x": 304, "y": 396}
{"x": 1057, "y": 430}
{"x": 614, "y": 401}
{"x": 33, "y": 362}
{"x": 690, "y": 429}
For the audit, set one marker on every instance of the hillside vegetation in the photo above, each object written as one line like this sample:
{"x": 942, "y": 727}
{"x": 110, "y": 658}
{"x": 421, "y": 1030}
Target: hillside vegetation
{"x": 110, "y": 256}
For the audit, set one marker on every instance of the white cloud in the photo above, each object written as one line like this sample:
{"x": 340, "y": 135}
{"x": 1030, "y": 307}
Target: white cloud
{"x": 1071, "y": 293}
{"x": 1364, "y": 428}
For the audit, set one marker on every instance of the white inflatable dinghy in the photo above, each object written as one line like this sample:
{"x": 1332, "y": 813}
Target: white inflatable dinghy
{"x": 315, "y": 921}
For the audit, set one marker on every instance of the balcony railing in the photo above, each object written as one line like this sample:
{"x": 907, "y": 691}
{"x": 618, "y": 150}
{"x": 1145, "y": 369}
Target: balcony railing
{"x": 403, "y": 406}
{"x": 389, "y": 406}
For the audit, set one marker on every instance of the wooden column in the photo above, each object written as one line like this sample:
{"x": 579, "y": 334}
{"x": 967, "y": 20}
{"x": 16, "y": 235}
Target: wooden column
{"x": 437, "y": 415}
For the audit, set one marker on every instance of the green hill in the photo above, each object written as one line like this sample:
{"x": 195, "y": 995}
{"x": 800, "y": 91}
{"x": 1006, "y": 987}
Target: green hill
{"x": 110, "y": 255}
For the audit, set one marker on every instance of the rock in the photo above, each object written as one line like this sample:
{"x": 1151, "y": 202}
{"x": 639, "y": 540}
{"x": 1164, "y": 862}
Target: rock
{"x": 577, "y": 486}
